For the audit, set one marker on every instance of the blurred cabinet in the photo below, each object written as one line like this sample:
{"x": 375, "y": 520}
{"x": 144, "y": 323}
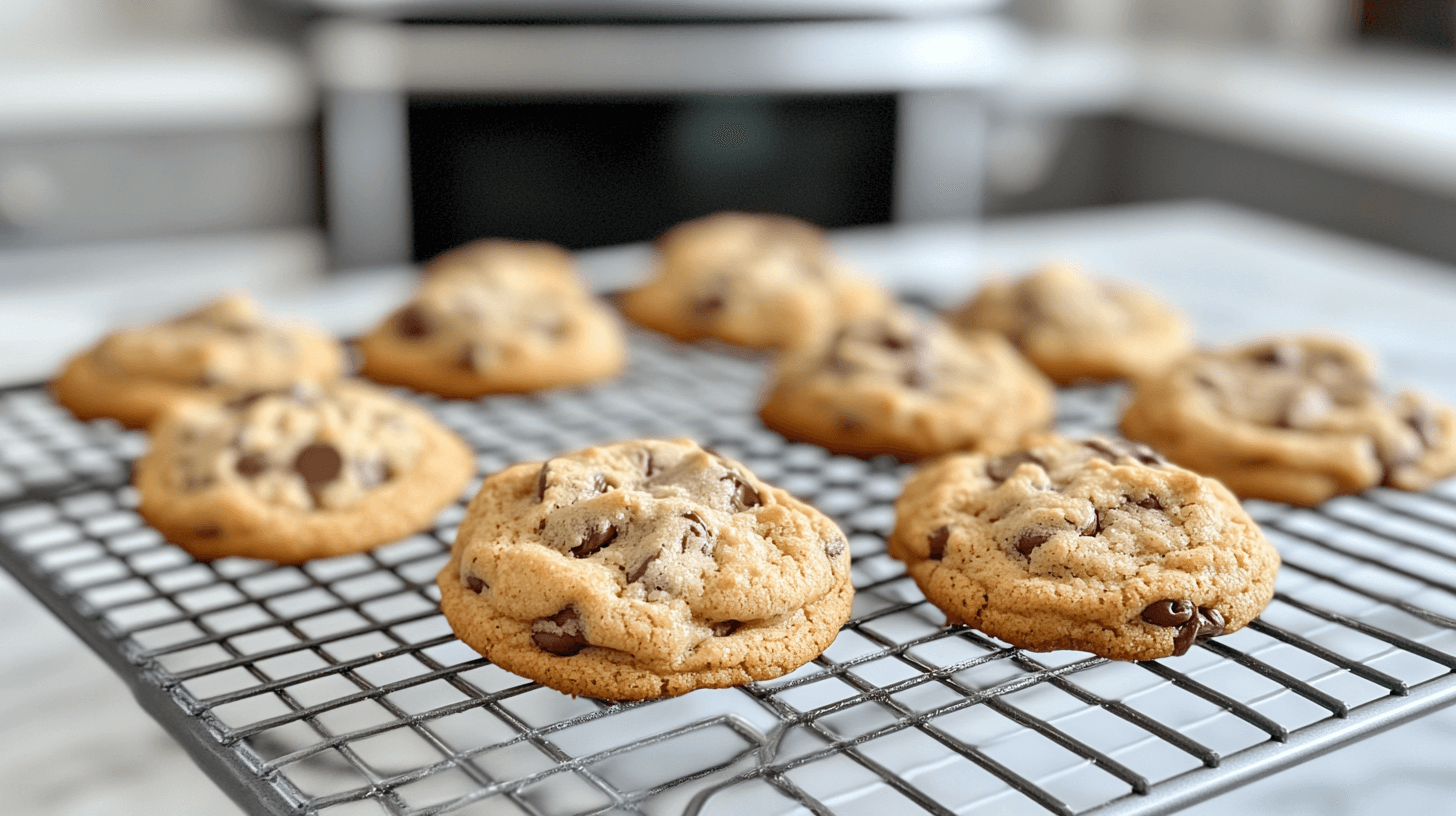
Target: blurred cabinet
{"x": 154, "y": 141}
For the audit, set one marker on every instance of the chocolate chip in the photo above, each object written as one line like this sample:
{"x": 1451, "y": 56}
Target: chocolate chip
{"x": 595, "y": 540}
{"x": 743, "y": 496}
{"x": 699, "y": 529}
{"x": 1028, "y": 540}
{"x": 475, "y": 584}
{"x": 1168, "y": 612}
{"x": 1003, "y": 467}
{"x": 725, "y": 628}
{"x": 599, "y": 483}
{"x": 848, "y": 425}
{"x": 937, "y": 542}
{"x": 318, "y": 464}
{"x": 894, "y": 342}
{"x": 559, "y": 634}
{"x": 1208, "y": 623}
{"x": 1113, "y": 449}
{"x": 411, "y": 323}
{"x": 251, "y": 464}
{"x": 709, "y": 305}
{"x": 1093, "y": 525}
{"x": 209, "y": 531}
{"x": 242, "y": 403}
{"x": 1148, "y": 502}
{"x": 1282, "y": 355}
{"x": 649, "y": 467}
{"x": 834, "y": 547}
{"x": 469, "y": 359}
{"x": 641, "y": 569}
{"x": 541, "y": 481}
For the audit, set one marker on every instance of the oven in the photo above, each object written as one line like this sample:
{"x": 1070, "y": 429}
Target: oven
{"x": 602, "y": 125}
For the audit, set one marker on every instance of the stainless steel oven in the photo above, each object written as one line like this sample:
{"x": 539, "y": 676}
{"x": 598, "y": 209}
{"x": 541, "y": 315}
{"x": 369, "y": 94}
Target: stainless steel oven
{"x": 592, "y": 124}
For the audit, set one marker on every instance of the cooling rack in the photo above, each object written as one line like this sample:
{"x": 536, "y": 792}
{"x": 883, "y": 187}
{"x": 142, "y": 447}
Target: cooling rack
{"x": 336, "y": 687}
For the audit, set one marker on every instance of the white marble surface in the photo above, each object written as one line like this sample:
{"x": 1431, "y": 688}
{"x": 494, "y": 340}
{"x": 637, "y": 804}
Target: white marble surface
{"x": 75, "y": 742}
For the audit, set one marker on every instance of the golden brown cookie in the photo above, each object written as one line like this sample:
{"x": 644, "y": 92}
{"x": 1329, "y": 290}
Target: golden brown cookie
{"x": 497, "y": 316}
{"x": 641, "y": 569}
{"x": 1294, "y": 419}
{"x": 760, "y": 281}
{"x": 222, "y": 350}
{"x": 1075, "y": 327}
{"x": 307, "y": 473}
{"x": 908, "y": 387}
{"x": 1100, "y": 546}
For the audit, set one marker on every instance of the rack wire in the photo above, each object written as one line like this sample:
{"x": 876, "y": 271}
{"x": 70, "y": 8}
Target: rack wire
{"x": 336, "y": 687}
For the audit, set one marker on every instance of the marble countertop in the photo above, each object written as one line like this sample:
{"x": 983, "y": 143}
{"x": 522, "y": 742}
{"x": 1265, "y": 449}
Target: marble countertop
{"x": 76, "y": 744}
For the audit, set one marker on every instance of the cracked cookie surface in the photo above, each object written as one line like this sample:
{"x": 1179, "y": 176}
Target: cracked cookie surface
{"x": 306, "y": 473}
{"x": 909, "y": 387}
{"x": 760, "y": 281}
{"x": 223, "y": 349}
{"x": 643, "y": 569}
{"x": 1100, "y": 546}
{"x": 1296, "y": 419}
{"x": 497, "y": 316}
{"x": 1073, "y": 326}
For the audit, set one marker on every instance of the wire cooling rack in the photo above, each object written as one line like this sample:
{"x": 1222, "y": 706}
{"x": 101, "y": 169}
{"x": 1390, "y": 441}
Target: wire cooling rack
{"x": 336, "y": 687}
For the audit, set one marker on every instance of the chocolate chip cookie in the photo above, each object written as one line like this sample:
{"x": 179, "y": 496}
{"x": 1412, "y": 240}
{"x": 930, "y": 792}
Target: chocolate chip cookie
{"x": 760, "y": 281}
{"x": 641, "y": 569}
{"x": 1101, "y": 546}
{"x": 1295, "y": 419}
{"x": 1075, "y": 327}
{"x": 293, "y": 475}
{"x": 222, "y": 350}
{"x": 909, "y": 387}
{"x": 497, "y": 316}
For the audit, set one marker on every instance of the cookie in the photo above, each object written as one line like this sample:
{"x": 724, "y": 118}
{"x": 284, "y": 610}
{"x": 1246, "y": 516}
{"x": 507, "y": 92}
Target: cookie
{"x": 642, "y": 569}
{"x": 307, "y": 473}
{"x": 1296, "y": 419}
{"x": 493, "y": 317}
{"x": 222, "y": 350}
{"x": 909, "y": 387}
{"x": 759, "y": 281}
{"x": 1100, "y": 546}
{"x": 1075, "y": 327}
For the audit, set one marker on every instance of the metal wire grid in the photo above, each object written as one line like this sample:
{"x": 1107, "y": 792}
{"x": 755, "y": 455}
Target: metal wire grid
{"x": 337, "y": 688}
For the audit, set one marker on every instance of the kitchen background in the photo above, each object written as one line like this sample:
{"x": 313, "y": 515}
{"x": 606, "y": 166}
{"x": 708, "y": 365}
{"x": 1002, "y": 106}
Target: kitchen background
{"x": 155, "y": 151}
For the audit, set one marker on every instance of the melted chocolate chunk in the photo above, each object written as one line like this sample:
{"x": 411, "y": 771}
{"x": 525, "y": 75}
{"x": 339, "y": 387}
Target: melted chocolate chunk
{"x": 743, "y": 496}
{"x": 210, "y": 531}
{"x": 697, "y": 528}
{"x": 1282, "y": 355}
{"x": 1168, "y": 612}
{"x": 1148, "y": 502}
{"x": 251, "y": 464}
{"x": 937, "y": 542}
{"x": 1003, "y": 467}
{"x": 1207, "y": 623}
{"x": 246, "y": 400}
{"x": 475, "y": 584}
{"x": 559, "y": 634}
{"x": 834, "y": 547}
{"x": 894, "y": 342}
{"x": 641, "y": 569}
{"x": 318, "y": 464}
{"x": 411, "y": 323}
{"x": 541, "y": 481}
{"x": 725, "y": 628}
{"x": 1028, "y": 540}
{"x": 1113, "y": 449}
{"x": 595, "y": 540}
